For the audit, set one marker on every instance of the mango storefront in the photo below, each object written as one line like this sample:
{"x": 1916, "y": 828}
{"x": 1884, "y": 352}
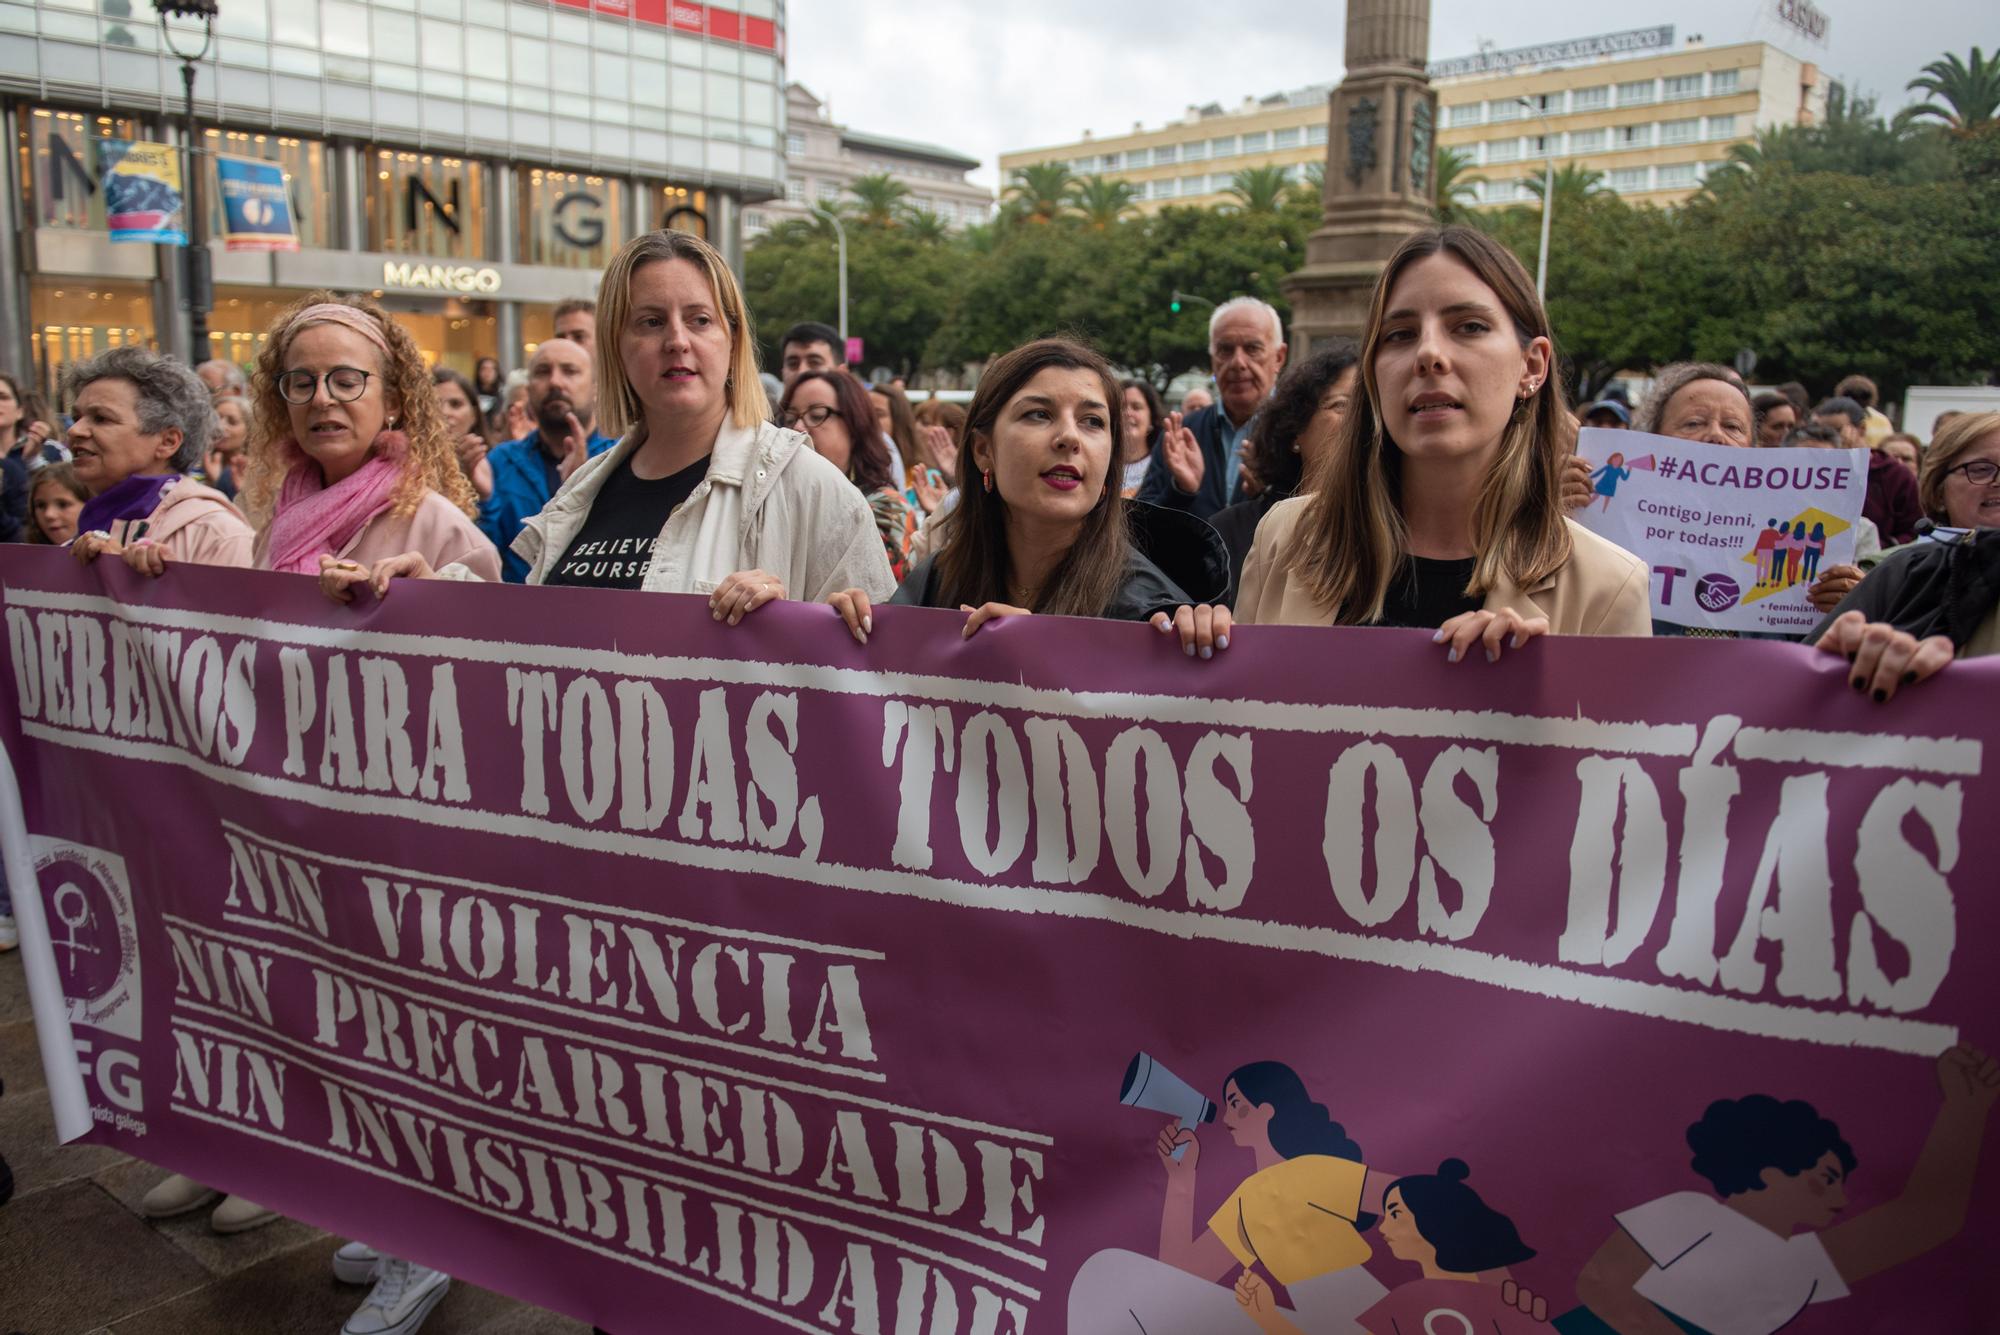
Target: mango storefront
{"x": 472, "y": 254}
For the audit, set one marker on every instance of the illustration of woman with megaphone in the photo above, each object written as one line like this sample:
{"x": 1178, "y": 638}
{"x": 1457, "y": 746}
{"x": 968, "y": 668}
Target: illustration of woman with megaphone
{"x": 1300, "y": 1214}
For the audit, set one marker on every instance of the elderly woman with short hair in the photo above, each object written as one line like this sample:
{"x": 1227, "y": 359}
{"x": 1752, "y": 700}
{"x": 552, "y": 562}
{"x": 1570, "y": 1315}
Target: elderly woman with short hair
{"x": 141, "y": 421}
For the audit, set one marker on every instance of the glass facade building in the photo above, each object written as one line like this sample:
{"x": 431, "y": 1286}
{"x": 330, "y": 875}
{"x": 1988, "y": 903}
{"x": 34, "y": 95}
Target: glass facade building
{"x": 470, "y": 162}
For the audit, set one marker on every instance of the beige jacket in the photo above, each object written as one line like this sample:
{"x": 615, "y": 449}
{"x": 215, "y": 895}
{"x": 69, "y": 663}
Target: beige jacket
{"x": 200, "y": 525}
{"x": 438, "y": 529}
{"x": 1601, "y": 590}
{"x": 768, "y": 502}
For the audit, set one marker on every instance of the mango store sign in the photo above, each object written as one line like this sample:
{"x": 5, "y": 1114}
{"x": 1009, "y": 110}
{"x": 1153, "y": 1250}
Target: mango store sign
{"x": 410, "y": 277}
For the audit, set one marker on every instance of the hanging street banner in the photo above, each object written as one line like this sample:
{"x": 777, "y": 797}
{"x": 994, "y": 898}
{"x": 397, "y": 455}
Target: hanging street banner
{"x": 1734, "y": 537}
{"x": 688, "y": 977}
{"x": 256, "y": 205}
{"x": 142, "y": 191}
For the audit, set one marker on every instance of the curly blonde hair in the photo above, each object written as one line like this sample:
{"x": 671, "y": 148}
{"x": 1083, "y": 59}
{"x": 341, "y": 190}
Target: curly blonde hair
{"x": 431, "y": 463}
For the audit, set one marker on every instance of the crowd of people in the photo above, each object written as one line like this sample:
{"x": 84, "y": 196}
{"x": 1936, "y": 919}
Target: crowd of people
{"x": 1424, "y": 476}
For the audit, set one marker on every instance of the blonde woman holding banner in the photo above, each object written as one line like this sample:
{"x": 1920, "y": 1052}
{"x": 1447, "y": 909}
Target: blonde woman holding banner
{"x": 702, "y": 494}
{"x": 1439, "y": 505}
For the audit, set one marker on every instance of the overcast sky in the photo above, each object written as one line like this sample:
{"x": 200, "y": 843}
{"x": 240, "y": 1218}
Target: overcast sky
{"x": 984, "y": 78}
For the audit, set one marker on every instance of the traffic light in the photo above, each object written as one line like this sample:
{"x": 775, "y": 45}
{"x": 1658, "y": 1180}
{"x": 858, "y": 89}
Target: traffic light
{"x": 1176, "y": 306}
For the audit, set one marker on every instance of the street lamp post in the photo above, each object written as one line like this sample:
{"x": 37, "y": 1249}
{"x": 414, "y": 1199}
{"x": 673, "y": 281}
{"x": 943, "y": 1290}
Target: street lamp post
{"x": 840, "y": 233}
{"x": 1548, "y": 197}
{"x": 199, "y": 292}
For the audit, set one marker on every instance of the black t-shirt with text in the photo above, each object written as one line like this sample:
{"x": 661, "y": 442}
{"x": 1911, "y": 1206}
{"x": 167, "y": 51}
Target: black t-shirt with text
{"x": 615, "y": 545}
{"x": 1429, "y": 593}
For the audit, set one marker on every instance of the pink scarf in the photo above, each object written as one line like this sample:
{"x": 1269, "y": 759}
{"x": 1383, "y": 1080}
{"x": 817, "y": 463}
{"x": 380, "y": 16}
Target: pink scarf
{"x": 314, "y": 519}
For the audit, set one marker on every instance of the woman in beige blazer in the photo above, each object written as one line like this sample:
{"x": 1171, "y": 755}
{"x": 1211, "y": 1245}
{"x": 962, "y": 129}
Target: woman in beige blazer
{"x": 1439, "y": 505}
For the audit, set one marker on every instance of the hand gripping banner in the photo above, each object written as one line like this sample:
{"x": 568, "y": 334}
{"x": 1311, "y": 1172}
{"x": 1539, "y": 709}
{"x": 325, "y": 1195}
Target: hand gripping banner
{"x": 685, "y": 977}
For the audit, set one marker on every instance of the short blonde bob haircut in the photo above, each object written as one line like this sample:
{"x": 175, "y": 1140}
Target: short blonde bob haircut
{"x": 1948, "y": 448}
{"x": 618, "y": 406}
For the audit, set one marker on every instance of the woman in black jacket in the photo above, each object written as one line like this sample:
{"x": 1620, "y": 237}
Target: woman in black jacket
{"x": 1041, "y": 527}
{"x": 1302, "y": 418}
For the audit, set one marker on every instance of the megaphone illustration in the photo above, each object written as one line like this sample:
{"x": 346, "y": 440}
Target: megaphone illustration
{"x": 1151, "y": 1085}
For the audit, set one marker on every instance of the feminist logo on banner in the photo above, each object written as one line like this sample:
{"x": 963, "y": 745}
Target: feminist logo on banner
{"x": 1734, "y": 538}
{"x": 683, "y": 977}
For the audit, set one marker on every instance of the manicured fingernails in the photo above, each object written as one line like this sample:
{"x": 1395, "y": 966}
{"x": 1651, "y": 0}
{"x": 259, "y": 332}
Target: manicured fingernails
{"x": 1909, "y": 677}
{"x": 1190, "y": 649}
{"x": 1860, "y": 683}
{"x": 1207, "y": 652}
{"x": 1438, "y": 638}
{"x": 1514, "y": 643}
{"x": 1492, "y": 656}
{"x": 1452, "y": 657}
{"x": 868, "y": 625}
{"x": 1222, "y": 641}
{"x": 1880, "y": 695}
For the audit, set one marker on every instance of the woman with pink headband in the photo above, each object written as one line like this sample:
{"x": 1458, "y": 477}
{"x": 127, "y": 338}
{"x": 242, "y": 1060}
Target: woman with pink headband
{"x": 351, "y": 462}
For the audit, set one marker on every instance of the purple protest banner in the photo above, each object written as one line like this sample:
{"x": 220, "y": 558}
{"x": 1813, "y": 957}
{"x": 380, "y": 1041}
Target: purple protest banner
{"x": 734, "y": 979}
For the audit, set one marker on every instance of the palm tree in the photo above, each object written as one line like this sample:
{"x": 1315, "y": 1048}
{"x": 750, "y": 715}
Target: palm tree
{"x": 1970, "y": 92}
{"x": 1259, "y": 189}
{"x": 1308, "y": 192}
{"x": 880, "y": 199}
{"x": 925, "y": 225}
{"x": 1102, "y": 201}
{"x": 1457, "y": 186}
{"x": 1040, "y": 192}
{"x": 1574, "y": 183}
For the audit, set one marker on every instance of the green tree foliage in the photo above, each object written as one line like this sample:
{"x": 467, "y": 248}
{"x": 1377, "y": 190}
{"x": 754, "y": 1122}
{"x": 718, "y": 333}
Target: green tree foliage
{"x": 879, "y": 200}
{"x": 1102, "y": 202}
{"x": 1851, "y": 245}
{"x": 1965, "y": 95}
{"x": 1040, "y": 192}
{"x": 1259, "y": 189}
{"x": 1456, "y": 184}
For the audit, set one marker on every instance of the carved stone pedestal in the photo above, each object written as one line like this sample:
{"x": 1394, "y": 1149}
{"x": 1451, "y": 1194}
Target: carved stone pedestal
{"x": 1380, "y": 155}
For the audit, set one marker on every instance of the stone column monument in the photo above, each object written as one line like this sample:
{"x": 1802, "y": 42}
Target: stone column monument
{"x": 1381, "y": 148}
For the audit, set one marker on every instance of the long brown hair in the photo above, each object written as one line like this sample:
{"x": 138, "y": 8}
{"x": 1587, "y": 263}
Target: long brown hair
{"x": 973, "y": 565}
{"x": 1351, "y": 540}
{"x": 902, "y": 430}
{"x": 431, "y": 463}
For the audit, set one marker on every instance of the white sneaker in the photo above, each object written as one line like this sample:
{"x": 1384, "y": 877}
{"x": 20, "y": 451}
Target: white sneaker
{"x": 403, "y": 1296}
{"x": 10, "y": 935}
{"x": 356, "y": 1263}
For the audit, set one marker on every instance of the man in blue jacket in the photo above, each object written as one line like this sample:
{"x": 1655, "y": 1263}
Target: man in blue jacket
{"x": 562, "y": 396}
{"x": 1197, "y": 462}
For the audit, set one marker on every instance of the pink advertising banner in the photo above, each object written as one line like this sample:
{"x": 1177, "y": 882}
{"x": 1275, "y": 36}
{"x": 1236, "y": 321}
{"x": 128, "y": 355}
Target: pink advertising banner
{"x": 692, "y": 978}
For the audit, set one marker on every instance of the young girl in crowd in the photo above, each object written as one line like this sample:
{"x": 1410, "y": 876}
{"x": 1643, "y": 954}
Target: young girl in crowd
{"x": 351, "y": 468}
{"x": 833, "y": 409}
{"x": 55, "y": 499}
{"x": 703, "y": 494}
{"x": 1439, "y": 504}
{"x": 1040, "y": 526}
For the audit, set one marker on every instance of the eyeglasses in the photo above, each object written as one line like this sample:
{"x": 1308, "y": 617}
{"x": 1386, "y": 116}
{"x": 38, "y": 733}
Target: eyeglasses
{"x": 344, "y": 384}
{"x": 1979, "y": 472}
{"x": 812, "y": 417}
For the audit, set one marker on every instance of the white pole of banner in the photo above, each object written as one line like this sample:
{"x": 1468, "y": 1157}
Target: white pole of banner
{"x": 38, "y": 956}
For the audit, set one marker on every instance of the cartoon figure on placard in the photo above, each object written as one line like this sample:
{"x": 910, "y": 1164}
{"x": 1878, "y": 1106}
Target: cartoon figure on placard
{"x": 1767, "y": 550}
{"x": 1815, "y": 548}
{"x": 1462, "y": 1244}
{"x": 1797, "y": 555}
{"x": 1299, "y": 1214}
{"x": 1606, "y": 479}
{"x": 1749, "y": 1259}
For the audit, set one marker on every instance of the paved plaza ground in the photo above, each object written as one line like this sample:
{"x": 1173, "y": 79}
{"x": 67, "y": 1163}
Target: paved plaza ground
{"x": 76, "y": 1258}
